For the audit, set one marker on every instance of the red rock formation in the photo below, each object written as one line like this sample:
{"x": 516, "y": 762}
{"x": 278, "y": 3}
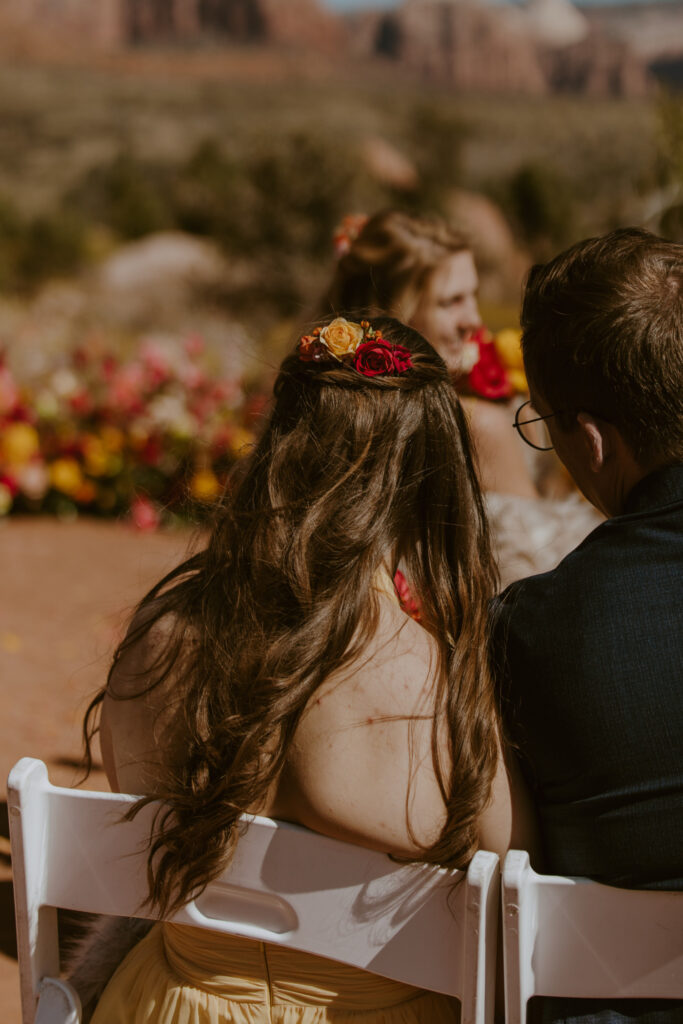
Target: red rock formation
{"x": 495, "y": 49}
{"x": 76, "y": 23}
{"x": 653, "y": 29}
{"x": 301, "y": 23}
{"x": 596, "y": 66}
{"x": 111, "y": 24}
{"x": 465, "y": 44}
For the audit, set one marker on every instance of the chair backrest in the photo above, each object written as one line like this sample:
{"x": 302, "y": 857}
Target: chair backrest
{"x": 573, "y": 937}
{"x": 286, "y": 885}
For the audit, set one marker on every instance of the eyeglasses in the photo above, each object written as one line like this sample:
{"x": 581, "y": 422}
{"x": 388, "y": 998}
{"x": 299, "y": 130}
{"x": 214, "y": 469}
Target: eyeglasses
{"x": 536, "y": 435}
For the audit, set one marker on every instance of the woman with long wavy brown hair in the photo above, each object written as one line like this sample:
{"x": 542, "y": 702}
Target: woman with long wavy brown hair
{"x": 274, "y": 671}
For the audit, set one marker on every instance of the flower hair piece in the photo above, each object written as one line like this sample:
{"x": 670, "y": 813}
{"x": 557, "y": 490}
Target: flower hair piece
{"x": 347, "y": 232}
{"x": 358, "y": 346}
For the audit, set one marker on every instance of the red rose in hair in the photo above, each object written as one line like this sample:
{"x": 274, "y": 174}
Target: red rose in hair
{"x": 488, "y": 377}
{"x": 377, "y": 357}
{"x": 402, "y": 359}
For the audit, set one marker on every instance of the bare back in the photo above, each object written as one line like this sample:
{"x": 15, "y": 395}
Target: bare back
{"x": 360, "y": 766}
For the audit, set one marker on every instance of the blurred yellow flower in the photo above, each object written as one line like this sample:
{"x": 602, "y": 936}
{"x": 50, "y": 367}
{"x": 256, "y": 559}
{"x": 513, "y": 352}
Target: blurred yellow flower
{"x": 240, "y": 442}
{"x": 112, "y": 438}
{"x": 96, "y": 456}
{"x": 20, "y": 442}
{"x": 5, "y": 499}
{"x": 508, "y": 346}
{"x": 204, "y": 486}
{"x": 518, "y": 381}
{"x": 66, "y": 476}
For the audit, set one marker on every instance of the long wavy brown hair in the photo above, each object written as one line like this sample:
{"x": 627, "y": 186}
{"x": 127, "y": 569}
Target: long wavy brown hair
{"x": 351, "y": 471}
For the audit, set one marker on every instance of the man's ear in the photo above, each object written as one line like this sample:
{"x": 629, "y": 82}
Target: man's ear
{"x": 595, "y": 440}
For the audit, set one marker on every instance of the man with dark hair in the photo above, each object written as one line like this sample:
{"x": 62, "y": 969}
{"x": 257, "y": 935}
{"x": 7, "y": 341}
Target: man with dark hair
{"x": 591, "y": 653}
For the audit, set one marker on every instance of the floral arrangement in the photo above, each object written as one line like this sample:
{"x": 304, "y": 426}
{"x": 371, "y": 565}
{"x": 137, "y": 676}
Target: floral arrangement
{"x": 152, "y": 437}
{"x": 358, "y": 346}
{"x": 492, "y": 365}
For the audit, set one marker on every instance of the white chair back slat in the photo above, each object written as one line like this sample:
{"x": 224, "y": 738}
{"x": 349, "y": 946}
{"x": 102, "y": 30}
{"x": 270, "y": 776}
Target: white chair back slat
{"x": 577, "y": 938}
{"x": 416, "y": 923}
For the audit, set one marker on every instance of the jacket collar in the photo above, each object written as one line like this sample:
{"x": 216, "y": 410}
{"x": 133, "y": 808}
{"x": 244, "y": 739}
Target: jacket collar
{"x": 663, "y": 487}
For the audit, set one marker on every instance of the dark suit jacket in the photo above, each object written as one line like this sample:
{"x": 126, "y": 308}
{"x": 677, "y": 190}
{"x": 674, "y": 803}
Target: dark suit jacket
{"x": 591, "y": 677}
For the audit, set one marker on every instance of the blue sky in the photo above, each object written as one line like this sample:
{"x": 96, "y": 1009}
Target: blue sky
{"x": 350, "y": 5}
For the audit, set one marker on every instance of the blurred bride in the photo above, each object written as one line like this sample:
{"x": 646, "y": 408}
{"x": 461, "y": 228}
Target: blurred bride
{"x": 422, "y": 271}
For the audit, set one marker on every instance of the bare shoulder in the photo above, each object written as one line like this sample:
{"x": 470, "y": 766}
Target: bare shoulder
{"x": 142, "y": 705}
{"x": 145, "y": 648}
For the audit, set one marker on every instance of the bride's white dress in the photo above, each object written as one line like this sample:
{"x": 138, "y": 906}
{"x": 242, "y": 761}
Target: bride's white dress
{"x": 531, "y": 535}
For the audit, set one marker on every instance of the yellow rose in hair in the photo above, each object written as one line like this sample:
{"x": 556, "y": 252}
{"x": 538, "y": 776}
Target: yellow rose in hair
{"x": 341, "y": 337}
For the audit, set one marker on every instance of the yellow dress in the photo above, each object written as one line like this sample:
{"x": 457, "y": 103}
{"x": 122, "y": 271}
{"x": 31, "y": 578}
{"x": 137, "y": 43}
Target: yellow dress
{"x": 180, "y": 975}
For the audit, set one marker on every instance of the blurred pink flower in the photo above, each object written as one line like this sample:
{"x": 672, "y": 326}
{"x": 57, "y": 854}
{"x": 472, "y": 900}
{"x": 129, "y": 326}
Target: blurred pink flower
{"x": 126, "y": 392}
{"x": 9, "y": 392}
{"x": 144, "y": 514}
{"x": 192, "y": 377}
{"x": 194, "y": 345}
{"x": 156, "y": 362}
{"x": 33, "y": 480}
{"x": 108, "y": 367}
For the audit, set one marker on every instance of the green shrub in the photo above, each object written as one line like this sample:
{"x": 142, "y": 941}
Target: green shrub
{"x": 541, "y": 204}
{"x": 127, "y": 195}
{"x": 51, "y": 246}
{"x": 438, "y": 135}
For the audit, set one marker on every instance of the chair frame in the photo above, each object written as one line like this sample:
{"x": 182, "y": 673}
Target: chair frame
{"x": 577, "y": 938}
{"x": 285, "y": 885}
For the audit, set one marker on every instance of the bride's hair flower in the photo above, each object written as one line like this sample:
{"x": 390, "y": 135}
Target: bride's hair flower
{"x": 342, "y": 337}
{"x": 347, "y": 232}
{"x": 359, "y": 346}
{"x": 377, "y": 357}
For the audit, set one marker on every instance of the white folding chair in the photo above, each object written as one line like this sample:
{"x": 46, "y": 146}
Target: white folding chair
{"x": 574, "y": 937}
{"x": 285, "y": 885}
